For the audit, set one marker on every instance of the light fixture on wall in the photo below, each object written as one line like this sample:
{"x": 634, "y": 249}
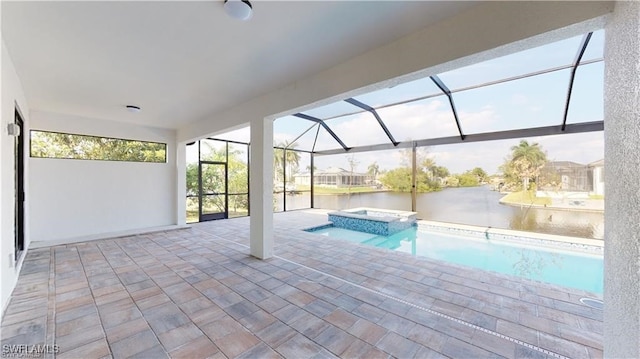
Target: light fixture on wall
{"x": 238, "y": 9}
{"x": 133, "y": 109}
{"x": 13, "y": 129}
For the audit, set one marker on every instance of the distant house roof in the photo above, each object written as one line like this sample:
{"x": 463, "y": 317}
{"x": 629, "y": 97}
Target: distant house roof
{"x": 332, "y": 171}
{"x": 598, "y": 163}
{"x": 563, "y": 164}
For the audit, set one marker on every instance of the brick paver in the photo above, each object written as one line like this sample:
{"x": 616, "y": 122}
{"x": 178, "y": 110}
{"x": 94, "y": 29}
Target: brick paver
{"x": 197, "y": 293}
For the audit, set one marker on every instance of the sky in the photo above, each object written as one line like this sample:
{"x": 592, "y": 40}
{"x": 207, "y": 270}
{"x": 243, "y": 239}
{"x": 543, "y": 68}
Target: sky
{"x": 524, "y": 103}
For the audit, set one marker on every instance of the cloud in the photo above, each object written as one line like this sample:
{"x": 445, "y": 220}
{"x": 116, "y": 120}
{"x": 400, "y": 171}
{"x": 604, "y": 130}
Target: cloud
{"x": 431, "y": 119}
{"x": 480, "y": 121}
{"x": 519, "y": 99}
{"x": 581, "y": 148}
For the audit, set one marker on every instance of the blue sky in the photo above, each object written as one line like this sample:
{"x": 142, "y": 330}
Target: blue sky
{"x": 524, "y": 103}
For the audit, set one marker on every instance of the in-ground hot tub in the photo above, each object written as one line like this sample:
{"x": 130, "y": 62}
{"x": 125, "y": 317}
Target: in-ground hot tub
{"x": 382, "y": 222}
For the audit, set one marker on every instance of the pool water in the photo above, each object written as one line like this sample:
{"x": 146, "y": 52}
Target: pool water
{"x": 561, "y": 267}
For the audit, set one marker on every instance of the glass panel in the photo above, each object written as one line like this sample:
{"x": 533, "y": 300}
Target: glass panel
{"x": 278, "y": 169}
{"x": 595, "y": 49}
{"x": 358, "y": 130}
{"x": 326, "y": 141}
{"x": 286, "y": 129}
{"x": 212, "y": 150}
{"x": 238, "y": 205}
{"x": 192, "y": 153}
{"x": 402, "y": 92}
{"x": 238, "y": 170}
{"x": 331, "y": 110}
{"x": 278, "y": 202}
{"x": 345, "y": 173}
{"x": 298, "y": 200}
{"x": 539, "y": 58}
{"x": 46, "y": 144}
{"x": 305, "y": 142}
{"x": 213, "y": 179}
{"x": 239, "y": 135}
{"x": 530, "y": 102}
{"x": 587, "y": 96}
{"x": 192, "y": 169}
{"x": 292, "y": 167}
{"x": 192, "y": 210}
{"x": 431, "y": 118}
{"x": 213, "y": 204}
{"x": 302, "y": 178}
{"x": 558, "y": 192}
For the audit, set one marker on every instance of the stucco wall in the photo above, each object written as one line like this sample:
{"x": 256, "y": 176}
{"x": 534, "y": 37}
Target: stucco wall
{"x": 622, "y": 206}
{"x": 78, "y": 198}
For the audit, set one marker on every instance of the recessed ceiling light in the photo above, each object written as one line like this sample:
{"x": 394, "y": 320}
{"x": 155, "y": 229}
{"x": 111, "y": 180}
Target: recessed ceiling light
{"x": 133, "y": 109}
{"x": 238, "y": 9}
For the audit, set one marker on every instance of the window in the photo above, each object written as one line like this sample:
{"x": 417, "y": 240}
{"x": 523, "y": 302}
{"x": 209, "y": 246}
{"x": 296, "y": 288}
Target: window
{"x": 46, "y": 144}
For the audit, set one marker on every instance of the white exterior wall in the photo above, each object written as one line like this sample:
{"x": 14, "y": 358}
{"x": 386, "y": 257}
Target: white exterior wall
{"x": 75, "y": 199}
{"x": 622, "y": 158}
{"x": 598, "y": 181}
{"x": 261, "y": 189}
{"x": 12, "y": 94}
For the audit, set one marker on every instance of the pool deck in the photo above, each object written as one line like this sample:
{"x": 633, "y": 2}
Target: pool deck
{"x": 196, "y": 293}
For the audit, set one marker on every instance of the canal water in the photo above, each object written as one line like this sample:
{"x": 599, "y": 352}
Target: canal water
{"x": 478, "y": 206}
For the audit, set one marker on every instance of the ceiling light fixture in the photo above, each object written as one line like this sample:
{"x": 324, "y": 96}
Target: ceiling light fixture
{"x": 238, "y": 9}
{"x": 133, "y": 109}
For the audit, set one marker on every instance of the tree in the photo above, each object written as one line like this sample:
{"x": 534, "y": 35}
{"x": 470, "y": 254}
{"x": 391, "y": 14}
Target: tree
{"x": 353, "y": 164}
{"x": 468, "y": 179}
{"x": 429, "y": 176}
{"x": 213, "y": 180}
{"x": 525, "y": 163}
{"x": 398, "y": 179}
{"x": 65, "y": 145}
{"x": 440, "y": 172}
{"x": 373, "y": 169}
{"x": 284, "y": 158}
{"x": 480, "y": 174}
{"x": 422, "y": 156}
{"x": 238, "y": 181}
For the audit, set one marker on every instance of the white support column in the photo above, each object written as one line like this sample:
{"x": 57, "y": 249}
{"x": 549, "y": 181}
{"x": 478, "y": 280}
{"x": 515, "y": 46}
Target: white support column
{"x": 622, "y": 173}
{"x": 261, "y": 188}
{"x": 181, "y": 183}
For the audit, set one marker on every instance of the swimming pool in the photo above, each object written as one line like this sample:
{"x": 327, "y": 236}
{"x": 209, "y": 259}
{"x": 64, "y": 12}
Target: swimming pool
{"x": 557, "y": 266}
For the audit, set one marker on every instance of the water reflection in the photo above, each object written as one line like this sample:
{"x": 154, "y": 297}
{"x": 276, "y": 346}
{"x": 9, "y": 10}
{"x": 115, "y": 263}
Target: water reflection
{"x": 477, "y": 206}
{"x": 532, "y": 264}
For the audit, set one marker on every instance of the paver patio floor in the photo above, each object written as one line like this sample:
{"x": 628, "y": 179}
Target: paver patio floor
{"x": 196, "y": 293}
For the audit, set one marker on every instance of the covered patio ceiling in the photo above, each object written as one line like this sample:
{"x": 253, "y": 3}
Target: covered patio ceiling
{"x": 181, "y": 61}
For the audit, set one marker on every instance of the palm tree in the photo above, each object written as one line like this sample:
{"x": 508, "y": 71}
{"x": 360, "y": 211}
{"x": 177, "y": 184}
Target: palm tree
{"x": 428, "y": 165}
{"x": 284, "y": 157}
{"x": 373, "y": 169}
{"x": 527, "y": 160}
{"x": 532, "y": 151}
